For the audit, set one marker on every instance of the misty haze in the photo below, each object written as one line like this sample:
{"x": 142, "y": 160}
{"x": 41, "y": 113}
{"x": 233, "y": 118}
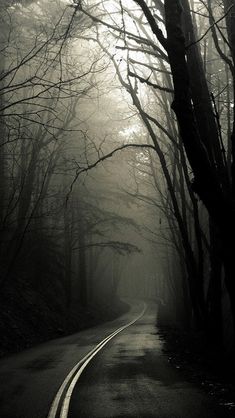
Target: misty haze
{"x": 117, "y": 209}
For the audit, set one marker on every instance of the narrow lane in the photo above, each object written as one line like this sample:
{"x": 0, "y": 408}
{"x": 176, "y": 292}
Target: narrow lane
{"x": 61, "y": 403}
{"x": 132, "y": 378}
{"x": 129, "y": 377}
{"x": 30, "y": 380}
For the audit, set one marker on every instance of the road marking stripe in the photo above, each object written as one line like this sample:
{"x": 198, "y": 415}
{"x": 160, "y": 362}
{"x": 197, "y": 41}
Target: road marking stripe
{"x": 55, "y": 404}
{"x": 66, "y": 402}
{"x": 79, "y": 367}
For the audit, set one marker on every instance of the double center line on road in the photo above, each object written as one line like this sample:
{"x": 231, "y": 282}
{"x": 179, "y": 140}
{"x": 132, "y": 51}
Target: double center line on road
{"x": 65, "y": 391}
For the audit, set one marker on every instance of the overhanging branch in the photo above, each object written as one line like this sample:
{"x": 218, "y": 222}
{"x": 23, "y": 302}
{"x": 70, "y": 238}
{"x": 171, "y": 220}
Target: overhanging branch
{"x": 101, "y": 159}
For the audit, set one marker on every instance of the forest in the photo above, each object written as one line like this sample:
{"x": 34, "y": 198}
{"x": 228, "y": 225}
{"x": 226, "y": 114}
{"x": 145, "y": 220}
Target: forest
{"x": 117, "y": 166}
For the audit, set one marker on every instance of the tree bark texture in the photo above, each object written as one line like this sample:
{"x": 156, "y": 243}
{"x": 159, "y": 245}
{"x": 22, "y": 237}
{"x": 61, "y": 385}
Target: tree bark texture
{"x": 218, "y": 203}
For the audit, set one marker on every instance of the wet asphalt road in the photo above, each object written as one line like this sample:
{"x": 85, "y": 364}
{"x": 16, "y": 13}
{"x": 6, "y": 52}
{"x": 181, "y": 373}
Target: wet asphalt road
{"x": 132, "y": 378}
{"x": 129, "y": 377}
{"x": 30, "y": 380}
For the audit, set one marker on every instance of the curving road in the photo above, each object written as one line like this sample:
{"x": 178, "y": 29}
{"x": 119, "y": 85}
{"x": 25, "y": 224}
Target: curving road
{"x": 115, "y": 369}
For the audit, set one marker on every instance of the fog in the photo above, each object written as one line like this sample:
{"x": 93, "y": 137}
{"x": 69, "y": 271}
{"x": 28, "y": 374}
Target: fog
{"x": 106, "y": 195}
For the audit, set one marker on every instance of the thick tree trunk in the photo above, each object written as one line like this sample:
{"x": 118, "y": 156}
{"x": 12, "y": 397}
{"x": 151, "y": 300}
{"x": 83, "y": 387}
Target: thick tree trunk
{"x": 230, "y": 24}
{"x": 205, "y": 182}
{"x": 202, "y": 104}
{"x": 214, "y": 297}
{"x": 229, "y": 268}
{"x": 219, "y": 205}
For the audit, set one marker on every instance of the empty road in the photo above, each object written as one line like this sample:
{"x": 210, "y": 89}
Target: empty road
{"x": 115, "y": 369}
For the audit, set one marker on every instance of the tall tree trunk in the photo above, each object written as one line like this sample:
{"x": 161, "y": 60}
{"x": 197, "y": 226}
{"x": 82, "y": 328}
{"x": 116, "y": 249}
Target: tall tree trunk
{"x": 218, "y": 203}
{"x": 229, "y": 8}
{"x": 82, "y": 274}
{"x": 3, "y": 43}
{"x": 68, "y": 258}
{"x": 214, "y": 298}
{"x": 202, "y": 105}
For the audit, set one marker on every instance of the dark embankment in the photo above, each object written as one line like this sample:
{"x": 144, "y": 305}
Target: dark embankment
{"x": 29, "y": 317}
{"x": 200, "y": 360}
